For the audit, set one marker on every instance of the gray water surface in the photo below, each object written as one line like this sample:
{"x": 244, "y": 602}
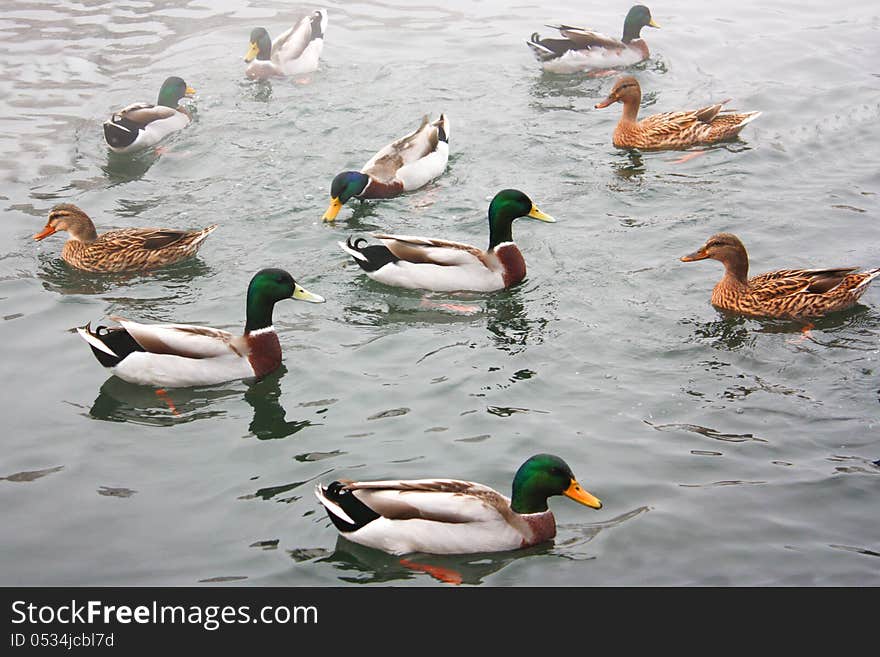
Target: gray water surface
{"x": 727, "y": 451}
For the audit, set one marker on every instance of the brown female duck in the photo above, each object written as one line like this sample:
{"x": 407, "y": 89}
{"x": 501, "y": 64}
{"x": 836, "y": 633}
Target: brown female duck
{"x": 129, "y": 249}
{"x": 786, "y": 293}
{"x": 671, "y": 129}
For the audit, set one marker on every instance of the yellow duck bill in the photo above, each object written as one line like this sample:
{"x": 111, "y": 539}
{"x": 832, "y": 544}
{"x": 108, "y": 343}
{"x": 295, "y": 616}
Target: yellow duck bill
{"x": 303, "y": 294}
{"x": 332, "y": 210}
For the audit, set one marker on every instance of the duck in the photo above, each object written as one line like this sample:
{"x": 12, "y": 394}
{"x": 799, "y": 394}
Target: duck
{"x": 183, "y": 355}
{"x": 782, "y": 294}
{"x": 295, "y": 52}
{"x": 671, "y": 130}
{"x": 582, "y": 49}
{"x": 443, "y": 266}
{"x": 404, "y": 165}
{"x": 125, "y": 250}
{"x": 141, "y": 125}
{"x": 450, "y": 516}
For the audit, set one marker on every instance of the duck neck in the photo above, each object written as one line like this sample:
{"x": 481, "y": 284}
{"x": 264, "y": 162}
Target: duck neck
{"x": 736, "y": 270}
{"x": 631, "y": 108}
{"x": 631, "y": 30}
{"x": 500, "y": 231}
{"x": 525, "y": 500}
{"x": 82, "y": 230}
{"x": 259, "y": 312}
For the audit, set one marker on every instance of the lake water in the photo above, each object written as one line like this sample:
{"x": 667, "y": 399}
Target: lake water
{"x": 727, "y": 451}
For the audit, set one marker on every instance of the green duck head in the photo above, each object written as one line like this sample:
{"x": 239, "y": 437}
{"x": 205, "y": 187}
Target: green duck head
{"x": 345, "y": 185}
{"x": 639, "y": 16}
{"x": 510, "y": 204}
{"x": 267, "y": 287}
{"x": 543, "y": 476}
{"x": 172, "y": 90}
{"x": 260, "y": 45}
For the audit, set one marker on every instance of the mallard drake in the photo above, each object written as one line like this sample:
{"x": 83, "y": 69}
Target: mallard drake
{"x": 449, "y": 516}
{"x": 583, "y": 49}
{"x": 671, "y": 130}
{"x": 182, "y": 355}
{"x": 785, "y": 294}
{"x": 443, "y": 266}
{"x": 295, "y": 52}
{"x": 402, "y": 166}
{"x": 141, "y": 125}
{"x": 128, "y": 249}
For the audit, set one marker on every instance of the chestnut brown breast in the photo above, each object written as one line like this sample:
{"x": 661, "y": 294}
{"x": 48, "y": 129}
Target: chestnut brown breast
{"x": 513, "y": 262}
{"x": 265, "y": 353}
{"x": 543, "y": 526}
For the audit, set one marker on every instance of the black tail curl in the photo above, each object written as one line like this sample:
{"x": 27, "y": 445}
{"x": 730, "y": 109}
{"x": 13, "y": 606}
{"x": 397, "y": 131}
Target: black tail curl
{"x": 359, "y": 512}
{"x": 377, "y": 255}
{"x": 118, "y": 340}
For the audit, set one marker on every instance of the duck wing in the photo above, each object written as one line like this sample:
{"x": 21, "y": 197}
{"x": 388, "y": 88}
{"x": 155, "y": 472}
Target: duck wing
{"x": 385, "y": 164}
{"x": 440, "y": 500}
{"x": 432, "y": 251}
{"x": 583, "y": 39}
{"x": 151, "y": 239}
{"x": 290, "y": 44}
{"x": 786, "y": 282}
{"x": 142, "y": 114}
{"x": 183, "y": 339}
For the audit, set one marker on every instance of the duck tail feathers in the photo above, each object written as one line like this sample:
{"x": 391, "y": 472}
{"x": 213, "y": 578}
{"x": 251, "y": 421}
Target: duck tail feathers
{"x": 353, "y": 248}
{"x": 442, "y": 128}
{"x": 749, "y": 117}
{"x": 370, "y": 258}
{"x": 110, "y": 346}
{"x": 345, "y": 510}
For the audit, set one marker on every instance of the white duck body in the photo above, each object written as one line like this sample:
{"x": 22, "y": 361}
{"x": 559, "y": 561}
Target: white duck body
{"x": 574, "y": 61}
{"x": 444, "y": 266}
{"x": 150, "y": 123}
{"x": 437, "y": 516}
{"x": 183, "y": 355}
{"x": 413, "y": 160}
{"x": 296, "y": 51}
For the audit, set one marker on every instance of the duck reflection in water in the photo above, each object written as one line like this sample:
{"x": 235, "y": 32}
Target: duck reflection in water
{"x": 509, "y": 323}
{"x": 733, "y": 331}
{"x": 124, "y": 168}
{"x": 259, "y": 91}
{"x": 364, "y": 565}
{"x": 630, "y": 165}
{"x": 59, "y": 277}
{"x": 120, "y": 401}
{"x": 270, "y": 419}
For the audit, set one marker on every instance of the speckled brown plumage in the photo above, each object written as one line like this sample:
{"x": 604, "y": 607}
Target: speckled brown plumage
{"x": 785, "y": 293}
{"x": 129, "y": 249}
{"x": 671, "y": 130}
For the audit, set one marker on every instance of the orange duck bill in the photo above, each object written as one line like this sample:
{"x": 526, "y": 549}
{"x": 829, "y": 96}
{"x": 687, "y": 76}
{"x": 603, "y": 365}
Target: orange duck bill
{"x": 699, "y": 254}
{"x": 48, "y": 230}
{"x": 605, "y": 103}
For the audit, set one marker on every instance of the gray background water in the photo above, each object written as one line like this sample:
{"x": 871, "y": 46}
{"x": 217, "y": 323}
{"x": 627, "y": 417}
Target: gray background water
{"x": 727, "y": 451}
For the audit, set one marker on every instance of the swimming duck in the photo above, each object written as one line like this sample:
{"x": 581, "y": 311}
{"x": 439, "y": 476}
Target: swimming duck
{"x": 449, "y": 516}
{"x": 181, "y": 355}
{"x": 141, "y": 125}
{"x": 787, "y": 293}
{"x": 402, "y": 166}
{"x": 295, "y": 52}
{"x": 128, "y": 249}
{"x": 443, "y": 266}
{"x": 583, "y": 49}
{"x": 671, "y": 130}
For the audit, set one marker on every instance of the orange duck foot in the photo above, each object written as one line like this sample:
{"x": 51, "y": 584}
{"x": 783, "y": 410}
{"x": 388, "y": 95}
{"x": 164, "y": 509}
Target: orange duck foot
{"x": 687, "y": 157}
{"x": 437, "y": 572}
{"x": 163, "y": 394}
